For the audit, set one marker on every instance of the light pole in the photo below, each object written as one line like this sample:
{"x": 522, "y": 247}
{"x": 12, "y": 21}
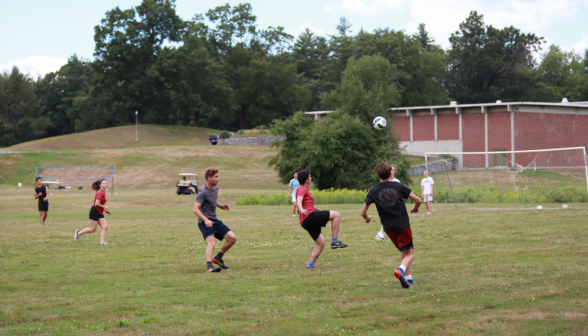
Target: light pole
{"x": 136, "y": 127}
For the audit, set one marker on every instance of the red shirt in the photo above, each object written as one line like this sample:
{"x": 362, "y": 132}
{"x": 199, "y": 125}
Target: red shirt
{"x": 100, "y": 195}
{"x": 307, "y": 201}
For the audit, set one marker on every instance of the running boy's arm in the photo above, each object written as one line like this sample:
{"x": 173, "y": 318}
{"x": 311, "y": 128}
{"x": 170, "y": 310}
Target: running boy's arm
{"x": 46, "y": 194}
{"x": 302, "y": 211}
{"x": 368, "y": 218}
{"x": 432, "y": 188}
{"x": 37, "y": 195}
{"x": 223, "y": 206}
{"x": 199, "y": 214}
{"x": 417, "y": 202}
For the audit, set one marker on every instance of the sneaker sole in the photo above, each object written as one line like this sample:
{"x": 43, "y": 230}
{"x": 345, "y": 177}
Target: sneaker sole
{"x": 216, "y": 270}
{"x": 337, "y": 247}
{"x": 403, "y": 282}
{"x": 221, "y": 265}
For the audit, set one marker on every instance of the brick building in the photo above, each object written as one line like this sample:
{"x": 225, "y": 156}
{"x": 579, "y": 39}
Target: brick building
{"x": 489, "y": 127}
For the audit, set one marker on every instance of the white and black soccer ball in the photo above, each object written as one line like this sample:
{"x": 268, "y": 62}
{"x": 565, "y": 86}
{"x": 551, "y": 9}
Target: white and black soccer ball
{"x": 379, "y": 123}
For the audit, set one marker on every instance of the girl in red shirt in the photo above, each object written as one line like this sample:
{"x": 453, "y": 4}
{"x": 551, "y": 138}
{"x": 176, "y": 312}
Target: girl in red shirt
{"x": 97, "y": 212}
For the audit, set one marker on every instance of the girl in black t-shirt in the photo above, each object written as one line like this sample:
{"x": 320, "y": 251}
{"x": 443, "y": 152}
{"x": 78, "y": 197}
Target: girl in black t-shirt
{"x": 41, "y": 195}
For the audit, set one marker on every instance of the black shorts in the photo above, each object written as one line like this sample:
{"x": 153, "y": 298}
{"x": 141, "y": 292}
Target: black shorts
{"x": 95, "y": 215}
{"x": 43, "y": 205}
{"x": 218, "y": 229}
{"x": 315, "y": 221}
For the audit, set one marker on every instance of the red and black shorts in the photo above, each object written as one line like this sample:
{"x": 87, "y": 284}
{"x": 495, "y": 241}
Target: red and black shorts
{"x": 402, "y": 239}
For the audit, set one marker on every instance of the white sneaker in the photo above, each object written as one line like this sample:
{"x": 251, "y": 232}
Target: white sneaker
{"x": 428, "y": 213}
{"x": 105, "y": 243}
{"x": 76, "y": 236}
{"x": 380, "y": 236}
{"x": 293, "y": 215}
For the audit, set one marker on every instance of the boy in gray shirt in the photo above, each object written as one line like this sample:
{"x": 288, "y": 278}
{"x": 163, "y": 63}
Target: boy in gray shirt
{"x": 210, "y": 226}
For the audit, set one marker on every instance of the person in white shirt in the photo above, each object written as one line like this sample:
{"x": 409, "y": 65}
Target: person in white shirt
{"x": 427, "y": 186}
{"x": 382, "y": 235}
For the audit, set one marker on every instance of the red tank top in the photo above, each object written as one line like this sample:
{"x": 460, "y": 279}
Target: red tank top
{"x": 100, "y": 195}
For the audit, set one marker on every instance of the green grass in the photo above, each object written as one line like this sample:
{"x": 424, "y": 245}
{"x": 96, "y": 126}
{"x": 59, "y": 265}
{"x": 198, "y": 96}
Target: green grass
{"x": 476, "y": 272}
{"x": 122, "y": 137}
{"x": 339, "y": 196}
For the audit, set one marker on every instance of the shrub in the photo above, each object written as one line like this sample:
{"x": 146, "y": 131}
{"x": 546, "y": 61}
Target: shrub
{"x": 224, "y": 135}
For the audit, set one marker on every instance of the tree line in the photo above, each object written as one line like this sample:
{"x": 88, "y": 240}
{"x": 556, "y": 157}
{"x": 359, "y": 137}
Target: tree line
{"x": 220, "y": 70}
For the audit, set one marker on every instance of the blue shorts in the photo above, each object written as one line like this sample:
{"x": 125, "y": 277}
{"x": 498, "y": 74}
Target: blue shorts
{"x": 218, "y": 229}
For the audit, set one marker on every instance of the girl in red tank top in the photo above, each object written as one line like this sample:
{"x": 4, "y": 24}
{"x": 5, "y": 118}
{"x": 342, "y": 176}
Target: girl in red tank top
{"x": 97, "y": 213}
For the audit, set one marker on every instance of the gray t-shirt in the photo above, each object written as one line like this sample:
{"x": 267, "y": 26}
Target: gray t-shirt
{"x": 208, "y": 198}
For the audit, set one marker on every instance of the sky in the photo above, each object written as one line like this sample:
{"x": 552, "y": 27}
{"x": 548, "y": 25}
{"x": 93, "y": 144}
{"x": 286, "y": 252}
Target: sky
{"x": 38, "y": 36}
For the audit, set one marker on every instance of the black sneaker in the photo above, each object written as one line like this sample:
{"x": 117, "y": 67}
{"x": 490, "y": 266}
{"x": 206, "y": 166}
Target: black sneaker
{"x": 338, "y": 244}
{"x": 220, "y": 262}
{"x": 214, "y": 270}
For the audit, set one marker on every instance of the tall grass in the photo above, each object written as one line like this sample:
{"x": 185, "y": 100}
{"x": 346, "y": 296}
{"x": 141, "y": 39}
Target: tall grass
{"x": 332, "y": 196}
{"x": 493, "y": 194}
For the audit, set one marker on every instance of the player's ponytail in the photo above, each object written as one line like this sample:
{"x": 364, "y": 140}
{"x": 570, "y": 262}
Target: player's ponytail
{"x": 96, "y": 184}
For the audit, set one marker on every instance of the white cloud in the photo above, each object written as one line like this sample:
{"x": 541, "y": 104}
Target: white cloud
{"x": 339, "y": 8}
{"x": 443, "y": 18}
{"x": 35, "y": 66}
{"x": 579, "y": 47}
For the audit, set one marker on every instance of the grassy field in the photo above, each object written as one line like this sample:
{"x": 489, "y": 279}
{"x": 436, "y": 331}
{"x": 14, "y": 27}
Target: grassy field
{"x": 476, "y": 272}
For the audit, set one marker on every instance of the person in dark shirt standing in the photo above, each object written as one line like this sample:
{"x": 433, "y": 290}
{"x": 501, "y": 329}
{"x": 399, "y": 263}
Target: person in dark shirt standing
{"x": 389, "y": 198}
{"x": 210, "y": 226}
{"x": 41, "y": 195}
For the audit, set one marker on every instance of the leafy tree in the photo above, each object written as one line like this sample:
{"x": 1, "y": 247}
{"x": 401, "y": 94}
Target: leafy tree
{"x": 424, "y": 69}
{"x": 367, "y": 89}
{"x": 423, "y": 37}
{"x": 482, "y": 56}
{"x": 246, "y": 56}
{"x": 128, "y": 44}
{"x": 58, "y": 91}
{"x": 340, "y": 151}
{"x": 20, "y": 109}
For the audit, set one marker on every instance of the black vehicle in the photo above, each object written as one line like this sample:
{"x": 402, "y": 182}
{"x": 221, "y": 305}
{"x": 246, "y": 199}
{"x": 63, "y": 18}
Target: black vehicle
{"x": 213, "y": 139}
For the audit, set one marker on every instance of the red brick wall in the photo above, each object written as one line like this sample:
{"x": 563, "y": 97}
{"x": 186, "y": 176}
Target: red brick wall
{"x": 401, "y": 127}
{"x": 498, "y": 135}
{"x": 448, "y": 127}
{"x": 543, "y": 131}
{"x": 423, "y": 128}
{"x": 473, "y": 132}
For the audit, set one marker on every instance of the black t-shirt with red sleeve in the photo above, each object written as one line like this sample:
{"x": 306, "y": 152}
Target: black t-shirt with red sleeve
{"x": 100, "y": 195}
{"x": 388, "y": 197}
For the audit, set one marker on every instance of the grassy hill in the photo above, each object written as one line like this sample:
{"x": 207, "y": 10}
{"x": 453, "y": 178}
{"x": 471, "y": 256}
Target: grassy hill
{"x": 155, "y": 161}
{"x": 122, "y": 137}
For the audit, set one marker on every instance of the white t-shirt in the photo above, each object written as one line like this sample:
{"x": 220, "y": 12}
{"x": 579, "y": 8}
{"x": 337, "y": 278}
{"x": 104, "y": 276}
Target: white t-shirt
{"x": 427, "y": 183}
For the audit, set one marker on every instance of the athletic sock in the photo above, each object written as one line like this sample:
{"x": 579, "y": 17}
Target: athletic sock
{"x": 335, "y": 239}
{"x": 408, "y": 277}
{"x": 403, "y": 268}
{"x": 219, "y": 256}
{"x": 208, "y": 264}
{"x": 310, "y": 264}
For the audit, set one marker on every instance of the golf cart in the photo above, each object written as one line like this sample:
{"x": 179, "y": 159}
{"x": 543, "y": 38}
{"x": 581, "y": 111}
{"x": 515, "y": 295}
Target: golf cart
{"x": 188, "y": 184}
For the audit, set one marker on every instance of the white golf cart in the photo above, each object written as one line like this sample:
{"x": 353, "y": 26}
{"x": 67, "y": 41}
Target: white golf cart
{"x": 188, "y": 184}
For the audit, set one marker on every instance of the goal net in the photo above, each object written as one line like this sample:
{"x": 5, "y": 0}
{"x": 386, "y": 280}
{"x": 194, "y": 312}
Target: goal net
{"x": 510, "y": 179}
{"x": 67, "y": 175}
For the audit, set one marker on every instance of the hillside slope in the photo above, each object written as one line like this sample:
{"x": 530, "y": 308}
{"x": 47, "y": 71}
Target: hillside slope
{"x": 244, "y": 167}
{"x": 122, "y": 137}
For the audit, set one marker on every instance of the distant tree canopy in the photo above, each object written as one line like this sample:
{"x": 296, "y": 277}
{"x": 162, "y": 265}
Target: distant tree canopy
{"x": 220, "y": 70}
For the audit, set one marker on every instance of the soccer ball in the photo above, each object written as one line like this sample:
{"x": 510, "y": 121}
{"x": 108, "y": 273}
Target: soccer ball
{"x": 565, "y": 206}
{"x": 379, "y": 123}
{"x": 539, "y": 207}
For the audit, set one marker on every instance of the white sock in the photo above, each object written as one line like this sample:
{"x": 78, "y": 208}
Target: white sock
{"x": 408, "y": 277}
{"x": 403, "y": 268}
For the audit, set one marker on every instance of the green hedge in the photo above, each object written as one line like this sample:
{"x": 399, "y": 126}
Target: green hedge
{"x": 491, "y": 194}
{"x": 479, "y": 194}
